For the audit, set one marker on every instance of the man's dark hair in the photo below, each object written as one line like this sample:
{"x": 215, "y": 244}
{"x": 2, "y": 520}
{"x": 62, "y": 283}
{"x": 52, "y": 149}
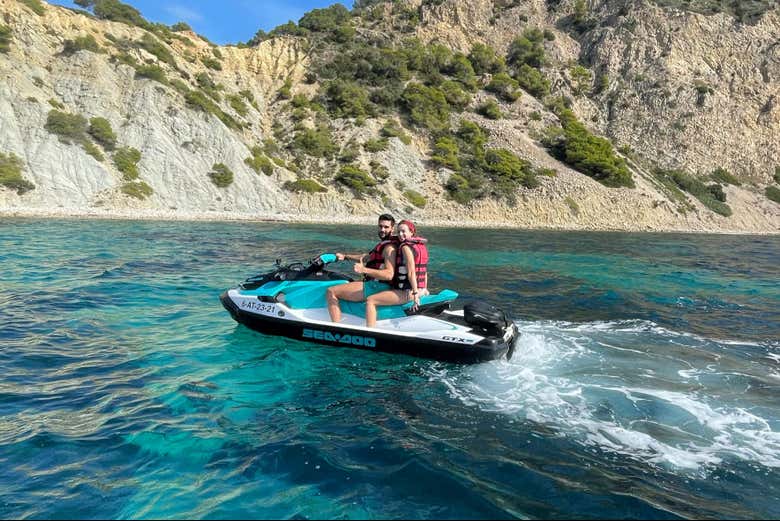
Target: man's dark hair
{"x": 386, "y": 217}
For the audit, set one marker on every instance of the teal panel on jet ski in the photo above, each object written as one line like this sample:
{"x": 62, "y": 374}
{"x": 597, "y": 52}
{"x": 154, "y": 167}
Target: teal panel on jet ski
{"x": 305, "y": 295}
{"x": 297, "y": 293}
{"x": 386, "y": 312}
{"x": 266, "y": 290}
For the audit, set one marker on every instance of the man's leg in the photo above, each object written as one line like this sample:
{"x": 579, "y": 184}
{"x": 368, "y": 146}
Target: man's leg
{"x": 352, "y": 291}
{"x": 390, "y": 297}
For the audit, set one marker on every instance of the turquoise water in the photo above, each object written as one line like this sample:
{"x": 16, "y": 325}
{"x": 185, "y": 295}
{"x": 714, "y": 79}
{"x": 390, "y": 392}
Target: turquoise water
{"x": 645, "y": 384}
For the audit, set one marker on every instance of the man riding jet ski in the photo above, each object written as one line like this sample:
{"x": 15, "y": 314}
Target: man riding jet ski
{"x": 291, "y": 301}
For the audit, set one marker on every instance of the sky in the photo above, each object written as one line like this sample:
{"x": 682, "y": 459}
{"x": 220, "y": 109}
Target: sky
{"x": 224, "y": 21}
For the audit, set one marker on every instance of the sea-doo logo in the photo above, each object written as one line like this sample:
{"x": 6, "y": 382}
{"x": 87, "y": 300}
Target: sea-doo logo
{"x": 355, "y": 340}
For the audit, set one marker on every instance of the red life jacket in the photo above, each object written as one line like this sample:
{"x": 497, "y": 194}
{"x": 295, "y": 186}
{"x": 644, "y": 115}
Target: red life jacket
{"x": 400, "y": 280}
{"x": 376, "y": 256}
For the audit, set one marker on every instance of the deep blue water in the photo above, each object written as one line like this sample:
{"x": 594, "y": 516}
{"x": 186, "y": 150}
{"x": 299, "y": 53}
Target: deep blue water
{"x": 645, "y": 383}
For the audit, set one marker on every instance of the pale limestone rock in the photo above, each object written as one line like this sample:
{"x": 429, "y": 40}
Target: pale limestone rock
{"x": 653, "y": 57}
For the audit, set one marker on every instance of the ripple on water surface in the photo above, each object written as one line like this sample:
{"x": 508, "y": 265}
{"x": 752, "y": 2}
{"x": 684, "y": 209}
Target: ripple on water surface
{"x": 644, "y": 384}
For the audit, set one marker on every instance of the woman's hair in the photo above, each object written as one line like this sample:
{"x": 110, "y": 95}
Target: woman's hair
{"x": 410, "y": 225}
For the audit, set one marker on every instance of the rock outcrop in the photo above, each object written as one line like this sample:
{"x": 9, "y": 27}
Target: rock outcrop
{"x": 680, "y": 90}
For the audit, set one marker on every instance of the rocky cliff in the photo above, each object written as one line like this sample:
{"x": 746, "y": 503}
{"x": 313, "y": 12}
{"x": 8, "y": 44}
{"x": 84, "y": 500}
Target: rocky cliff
{"x": 672, "y": 89}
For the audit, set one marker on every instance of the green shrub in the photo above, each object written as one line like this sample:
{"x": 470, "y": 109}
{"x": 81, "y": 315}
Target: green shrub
{"x": 484, "y": 59}
{"x": 533, "y": 81}
{"x": 270, "y": 147}
{"x": 314, "y": 142}
{"x": 208, "y": 86}
{"x": 346, "y": 99}
{"x": 285, "y": 92}
{"x": 5, "y": 38}
{"x": 221, "y": 175}
{"x": 589, "y": 154}
{"x": 124, "y": 58}
{"x": 490, "y": 110}
{"x": 456, "y": 97}
{"x": 717, "y": 192}
{"x": 299, "y": 101}
{"x": 572, "y": 204}
{"x": 393, "y": 129}
{"x": 91, "y": 149}
{"x": 259, "y": 162}
{"x": 155, "y": 47}
{"x": 776, "y": 177}
{"x": 773, "y": 193}
{"x": 180, "y": 86}
{"x": 445, "y": 153}
{"x": 308, "y": 186}
{"x": 81, "y": 43}
{"x": 724, "y": 176}
{"x": 707, "y": 195}
{"x": 137, "y": 189}
{"x": 356, "y": 179}
{"x": 465, "y": 187}
{"x": 152, "y": 72}
{"x": 527, "y": 49}
{"x": 180, "y": 27}
{"x": 581, "y": 79}
{"x": 502, "y": 163}
{"x": 375, "y": 145}
{"x": 325, "y": 20}
{"x": 459, "y": 67}
{"x": 379, "y": 171}
{"x": 196, "y": 99}
{"x": 349, "y": 152}
{"x": 507, "y": 171}
{"x": 189, "y": 56}
{"x": 238, "y": 104}
{"x": 473, "y": 136}
{"x": 505, "y": 86}
{"x": 68, "y": 127}
{"x": 427, "y": 106}
{"x": 114, "y": 10}
{"x": 211, "y": 63}
{"x": 35, "y": 6}
{"x": 602, "y": 83}
{"x": 416, "y": 198}
{"x": 101, "y": 131}
{"x": 126, "y": 161}
{"x": 11, "y": 174}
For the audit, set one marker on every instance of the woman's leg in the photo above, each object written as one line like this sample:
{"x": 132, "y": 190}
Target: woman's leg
{"x": 352, "y": 291}
{"x": 390, "y": 297}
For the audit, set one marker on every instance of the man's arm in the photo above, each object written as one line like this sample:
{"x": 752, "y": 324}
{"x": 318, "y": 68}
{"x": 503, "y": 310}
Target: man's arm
{"x": 386, "y": 272}
{"x": 356, "y": 257}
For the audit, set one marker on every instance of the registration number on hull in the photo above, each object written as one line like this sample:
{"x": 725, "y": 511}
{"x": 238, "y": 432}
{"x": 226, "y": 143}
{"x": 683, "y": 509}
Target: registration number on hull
{"x": 259, "y": 307}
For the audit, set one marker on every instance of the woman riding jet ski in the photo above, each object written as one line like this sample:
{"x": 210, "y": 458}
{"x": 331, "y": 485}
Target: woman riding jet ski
{"x": 290, "y": 301}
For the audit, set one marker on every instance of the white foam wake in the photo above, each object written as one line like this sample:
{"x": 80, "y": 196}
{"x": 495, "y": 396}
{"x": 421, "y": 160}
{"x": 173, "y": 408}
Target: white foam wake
{"x": 634, "y": 388}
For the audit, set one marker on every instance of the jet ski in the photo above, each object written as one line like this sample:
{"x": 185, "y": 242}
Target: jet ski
{"x": 290, "y": 301}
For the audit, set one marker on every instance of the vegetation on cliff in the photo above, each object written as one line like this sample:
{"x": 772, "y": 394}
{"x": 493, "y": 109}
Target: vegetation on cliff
{"x": 11, "y": 174}
{"x": 5, "y": 38}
